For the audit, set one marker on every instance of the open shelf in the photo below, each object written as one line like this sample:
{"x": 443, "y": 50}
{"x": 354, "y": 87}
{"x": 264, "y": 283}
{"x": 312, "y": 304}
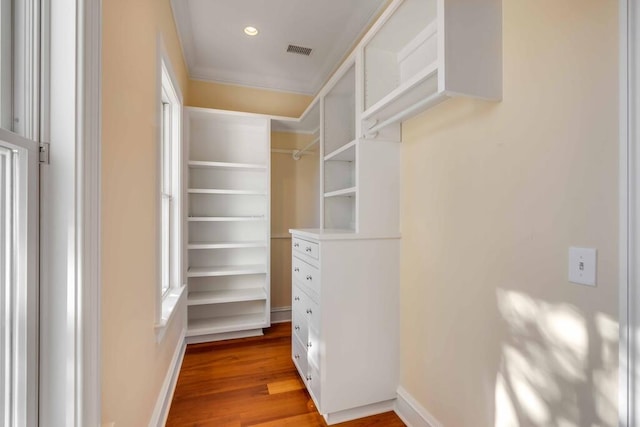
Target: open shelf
{"x": 225, "y": 218}
{"x": 351, "y": 191}
{"x": 339, "y": 112}
{"x": 404, "y": 46}
{"x": 226, "y": 165}
{"x": 346, "y": 153}
{"x": 227, "y": 245}
{"x": 228, "y": 192}
{"x": 217, "y": 325}
{"x": 226, "y": 270}
{"x": 226, "y": 296}
{"x": 425, "y": 51}
{"x": 421, "y": 86}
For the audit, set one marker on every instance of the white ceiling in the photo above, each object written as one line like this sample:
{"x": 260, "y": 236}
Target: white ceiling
{"x": 217, "y": 49}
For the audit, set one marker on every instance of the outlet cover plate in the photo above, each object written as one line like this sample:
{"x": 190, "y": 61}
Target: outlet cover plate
{"x": 582, "y": 266}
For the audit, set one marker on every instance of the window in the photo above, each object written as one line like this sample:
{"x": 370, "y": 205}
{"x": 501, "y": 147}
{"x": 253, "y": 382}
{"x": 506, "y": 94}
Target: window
{"x": 166, "y": 195}
{"x": 19, "y": 179}
{"x": 170, "y": 253}
{"x": 6, "y": 66}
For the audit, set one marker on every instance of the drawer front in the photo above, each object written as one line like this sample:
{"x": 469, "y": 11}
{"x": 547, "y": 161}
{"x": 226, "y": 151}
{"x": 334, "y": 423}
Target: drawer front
{"x": 314, "y": 384}
{"x": 299, "y": 268}
{"x": 308, "y": 275}
{"x": 305, "y": 307}
{"x": 299, "y": 357}
{"x": 312, "y": 310}
{"x": 313, "y": 346}
{"x": 299, "y": 299}
{"x": 305, "y": 247}
{"x": 300, "y": 328}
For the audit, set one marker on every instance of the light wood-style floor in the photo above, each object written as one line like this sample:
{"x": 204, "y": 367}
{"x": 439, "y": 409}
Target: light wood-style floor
{"x": 249, "y": 382}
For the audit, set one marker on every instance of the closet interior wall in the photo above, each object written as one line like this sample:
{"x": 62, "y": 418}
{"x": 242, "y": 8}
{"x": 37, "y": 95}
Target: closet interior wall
{"x": 294, "y": 204}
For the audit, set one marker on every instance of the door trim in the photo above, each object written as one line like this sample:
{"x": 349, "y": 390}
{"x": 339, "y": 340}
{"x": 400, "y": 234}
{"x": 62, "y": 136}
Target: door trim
{"x": 629, "y": 212}
{"x": 88, "y": 311}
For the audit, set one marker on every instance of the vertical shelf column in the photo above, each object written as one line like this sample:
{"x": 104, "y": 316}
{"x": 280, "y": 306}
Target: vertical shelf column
{"x": 228, "y": 224}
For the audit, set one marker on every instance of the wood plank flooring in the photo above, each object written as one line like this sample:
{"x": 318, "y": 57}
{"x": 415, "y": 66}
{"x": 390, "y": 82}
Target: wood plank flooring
{"x": 250, "y": 382}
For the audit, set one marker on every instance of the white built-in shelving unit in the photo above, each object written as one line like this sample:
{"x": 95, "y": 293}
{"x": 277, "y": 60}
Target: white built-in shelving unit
{"x": 228, "y": 224}
{"x": 339, "y": 147}
{"x": 421, "y": 52}
{"x": 360, "y": 178}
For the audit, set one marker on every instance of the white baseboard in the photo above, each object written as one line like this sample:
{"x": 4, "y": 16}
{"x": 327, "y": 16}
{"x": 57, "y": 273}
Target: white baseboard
{"x": 281, "y": 314}
{"x": 197, "y": 339}
{"x": 412, "y": 413}
{"x": 359, "y": 412}
{"x": 161, "y": 410}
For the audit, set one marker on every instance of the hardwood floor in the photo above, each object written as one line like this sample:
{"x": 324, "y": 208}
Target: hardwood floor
{"x": 249, "y": 382}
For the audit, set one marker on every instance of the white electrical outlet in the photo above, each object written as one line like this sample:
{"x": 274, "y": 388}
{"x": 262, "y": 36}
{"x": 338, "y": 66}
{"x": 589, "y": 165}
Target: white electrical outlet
{"x": 582, "y": 266}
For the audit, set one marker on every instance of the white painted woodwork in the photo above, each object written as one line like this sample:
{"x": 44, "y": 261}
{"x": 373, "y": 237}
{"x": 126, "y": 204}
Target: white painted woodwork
{"x": 359, "y": 178}
{"x": 361, "y": 187}
{"x": 420, "y": 52}
{"x": 345, "y": 321}
{"x": 228, "y": 223}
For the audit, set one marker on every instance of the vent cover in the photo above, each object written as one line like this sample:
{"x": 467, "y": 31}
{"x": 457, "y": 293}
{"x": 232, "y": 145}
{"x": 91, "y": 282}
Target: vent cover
{"x": 306, "y": 51}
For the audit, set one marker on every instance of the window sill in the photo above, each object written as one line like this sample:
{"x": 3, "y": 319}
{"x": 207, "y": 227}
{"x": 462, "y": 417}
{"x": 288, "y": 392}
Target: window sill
{"x": 169, "y": 303}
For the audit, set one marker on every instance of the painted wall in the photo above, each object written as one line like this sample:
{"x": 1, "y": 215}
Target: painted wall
{"x": 250, "y": 100}
{"x": 133, "y": 364}
{"x": 493, "y": 195}
{"x": 295, "y": 203}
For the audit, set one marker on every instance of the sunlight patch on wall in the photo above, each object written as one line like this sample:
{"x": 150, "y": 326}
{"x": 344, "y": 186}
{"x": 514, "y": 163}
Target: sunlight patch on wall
{"x": 505, "y": 412}
{"x": 558, "y": 367}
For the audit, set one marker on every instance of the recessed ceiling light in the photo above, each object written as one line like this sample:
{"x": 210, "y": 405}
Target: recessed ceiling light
{"x": 251, "y": 31}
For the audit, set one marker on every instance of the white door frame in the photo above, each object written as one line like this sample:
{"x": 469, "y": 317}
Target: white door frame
{"x": 88, "y": 312}
{"x": 70, "y": 219}
{"x": 629, "y": 247}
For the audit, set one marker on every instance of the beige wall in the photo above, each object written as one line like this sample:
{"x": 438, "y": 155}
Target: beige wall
{"x": 294, "y": 204}
{"x": 493, "y": 195}
{"x": 250, "y": 100}
{"x": 133, "y": 365}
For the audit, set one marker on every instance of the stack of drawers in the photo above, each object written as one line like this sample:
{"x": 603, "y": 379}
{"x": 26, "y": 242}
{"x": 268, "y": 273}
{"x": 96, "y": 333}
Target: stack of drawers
{"x": 345, "y": 321}
{"x": 306, "y": 285}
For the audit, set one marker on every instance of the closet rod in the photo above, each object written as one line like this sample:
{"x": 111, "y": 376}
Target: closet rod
{"x": 299, "y": 153}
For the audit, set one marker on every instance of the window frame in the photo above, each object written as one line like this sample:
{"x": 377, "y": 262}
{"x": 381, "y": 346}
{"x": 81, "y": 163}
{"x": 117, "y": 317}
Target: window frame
{"x": 21, "y": 79}
{"x": 20, "y": 303}
{"x": 170, "y": 228}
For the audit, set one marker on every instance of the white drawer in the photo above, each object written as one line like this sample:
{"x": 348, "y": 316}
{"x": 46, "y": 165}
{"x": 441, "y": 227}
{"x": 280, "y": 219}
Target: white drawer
{"x": 299, "y": 357}
{"x": 305, "y": 247}
{"x": 299, "y": 268}
{"x": 312, "y": 310}
{"x": 298, "y": 299}
{"x": 300, "y": 328}
{"x": 306, "y": 274}
{"x": 313, "y": 346}
{"x": 314, "y": 383}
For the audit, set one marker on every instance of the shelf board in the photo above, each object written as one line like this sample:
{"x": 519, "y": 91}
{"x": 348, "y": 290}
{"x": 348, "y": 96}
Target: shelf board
{"x": 226, "y": 165}
{"x": 226, "y": 296}
{"x": 384, "y": 108}
{"x": 345, "y": 153}
{"x": 226, "y": 270}
{"x": 227, "y": 245}
{"x": 351, "y": 191}
{"x": 226, "y": 192}
{"x": 225, "y": 218}
{"x": 216, "y": 325}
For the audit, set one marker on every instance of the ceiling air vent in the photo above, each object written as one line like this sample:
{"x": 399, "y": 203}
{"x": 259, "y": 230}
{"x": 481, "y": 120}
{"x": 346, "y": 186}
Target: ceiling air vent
{"x": 306, "y": 51}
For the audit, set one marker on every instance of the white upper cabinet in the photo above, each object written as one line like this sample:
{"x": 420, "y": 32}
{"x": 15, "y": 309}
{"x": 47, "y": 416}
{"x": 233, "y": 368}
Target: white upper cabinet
{"x": 420, "y": 52}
